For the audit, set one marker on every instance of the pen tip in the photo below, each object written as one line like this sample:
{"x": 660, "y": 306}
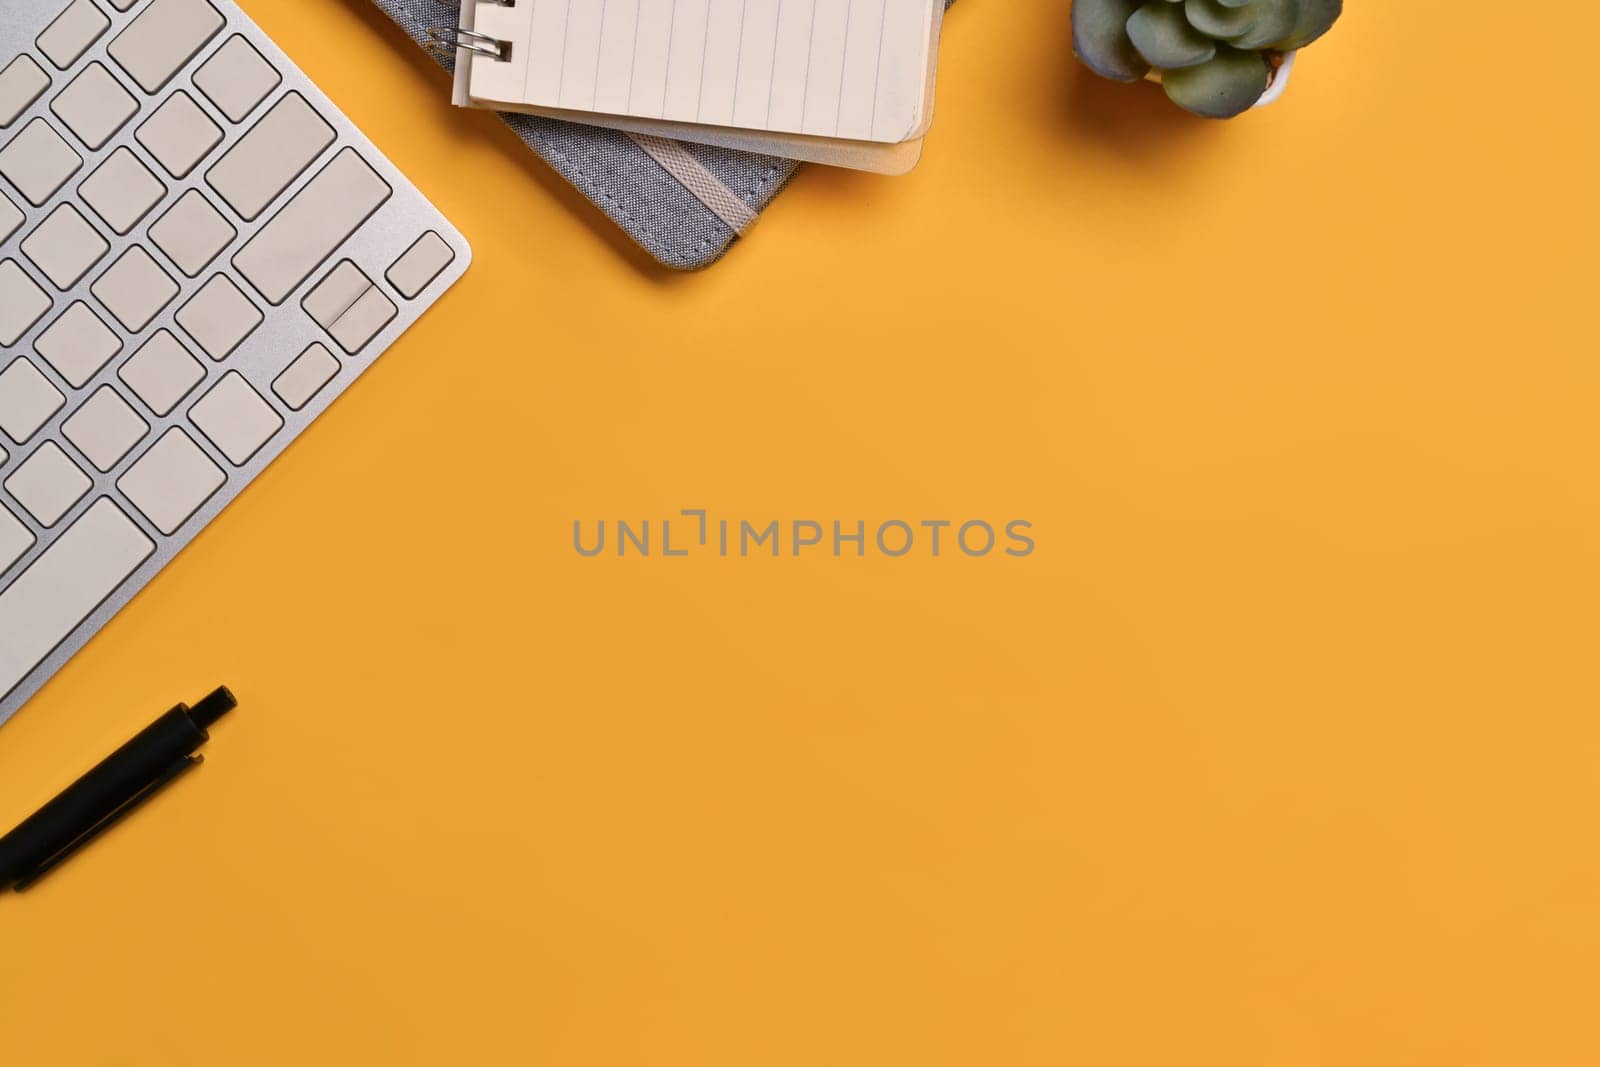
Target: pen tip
{"x": 213, "y": 706}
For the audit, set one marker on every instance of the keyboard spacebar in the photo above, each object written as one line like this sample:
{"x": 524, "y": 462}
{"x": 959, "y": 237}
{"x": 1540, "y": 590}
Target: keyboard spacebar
{"x": 312, "y": 226}
{"x": 67, "y": 582}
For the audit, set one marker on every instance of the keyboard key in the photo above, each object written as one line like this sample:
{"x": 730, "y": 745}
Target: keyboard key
{"x": 192, "y": 233}
{"x": 64, "y": 585}
{"x": 335, "y": 294}
{"x": 162, "y": 38}
{"x": 94, "y": 106}
{"x": 319, "y": 219}
{"x": 48, "y": 483}
{"x": 64, "y": 246}
{"x": 219, "y": 317}
{"x": 105, "y": 428}
{"x": 135, "y": 289}
{"x": 420, "y": 265}
{"x": 363, "y": 321}
{"x": 179, "y": 134}
{"x": 275, "y": 152}
{"x": 22, "y": 303}
{"x": 236, "y": 79}
{"x": 162, "y": 372}
{"x": 72, "y": 32}
{"x": 21, "y": 83}
{"x": 170, "y": 481}
{"x": 10, "y": 218}
{"x": 122, "y": 191}
{"x": 78, "y": 344}
{"x": 235, "y": 418}
{"x": 27, "y": 400}
{"x": 349, "y": 307}
{"x": 305, "y": 377}
{"x": 38, "y": 162}
{"x": 15, "y": 539}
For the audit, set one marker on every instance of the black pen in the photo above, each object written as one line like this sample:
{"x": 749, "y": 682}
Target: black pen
{"x": 153, "y": 760}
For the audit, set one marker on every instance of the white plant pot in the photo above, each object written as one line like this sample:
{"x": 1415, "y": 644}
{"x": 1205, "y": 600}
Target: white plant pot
{"x": 1275, "y": 87}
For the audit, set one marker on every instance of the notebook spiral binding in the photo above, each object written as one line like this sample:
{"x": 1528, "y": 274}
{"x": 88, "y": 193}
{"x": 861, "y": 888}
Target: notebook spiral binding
{"x": 447, "y": 40}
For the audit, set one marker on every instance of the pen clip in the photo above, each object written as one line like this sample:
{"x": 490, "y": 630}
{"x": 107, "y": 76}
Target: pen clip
{"x": 132, "y": 804}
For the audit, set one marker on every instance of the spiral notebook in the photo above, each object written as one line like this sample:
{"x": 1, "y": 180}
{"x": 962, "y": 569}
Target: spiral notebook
{"x": 841, "y": 82}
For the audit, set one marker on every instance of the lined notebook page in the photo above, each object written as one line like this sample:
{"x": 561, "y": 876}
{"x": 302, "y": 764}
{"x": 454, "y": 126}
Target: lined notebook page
{"x": 855, "y": 69}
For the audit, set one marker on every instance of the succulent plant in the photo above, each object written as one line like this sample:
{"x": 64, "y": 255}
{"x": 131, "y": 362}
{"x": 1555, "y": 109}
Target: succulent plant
{"x": 1215, "y": 57}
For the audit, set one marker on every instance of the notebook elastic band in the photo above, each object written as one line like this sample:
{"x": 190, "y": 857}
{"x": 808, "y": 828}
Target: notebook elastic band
{"x": 677, "y": 161}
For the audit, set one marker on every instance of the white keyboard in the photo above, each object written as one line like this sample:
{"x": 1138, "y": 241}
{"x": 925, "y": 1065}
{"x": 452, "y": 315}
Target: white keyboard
{"x": 198, "y": 253}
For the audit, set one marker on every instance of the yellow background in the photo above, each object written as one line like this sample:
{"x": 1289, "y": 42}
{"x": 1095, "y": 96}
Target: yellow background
{"x": 1281, "y": 749}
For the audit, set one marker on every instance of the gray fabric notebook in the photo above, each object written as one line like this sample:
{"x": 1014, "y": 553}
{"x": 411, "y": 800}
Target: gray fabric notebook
{"x": 683, "y": 203}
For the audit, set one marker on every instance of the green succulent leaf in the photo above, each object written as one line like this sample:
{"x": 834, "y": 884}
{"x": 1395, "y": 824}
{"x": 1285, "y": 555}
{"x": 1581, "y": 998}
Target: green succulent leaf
{"x": 1275, "y": 19}
{"x": 1316, "y": 18}
{"x": 1164, "y": 37}
{"x": 1234, "y": 3}
{"x": 1215, "y": 19}
{"x": 1100, "y": 38}
{"x": 1226, "y": 85}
